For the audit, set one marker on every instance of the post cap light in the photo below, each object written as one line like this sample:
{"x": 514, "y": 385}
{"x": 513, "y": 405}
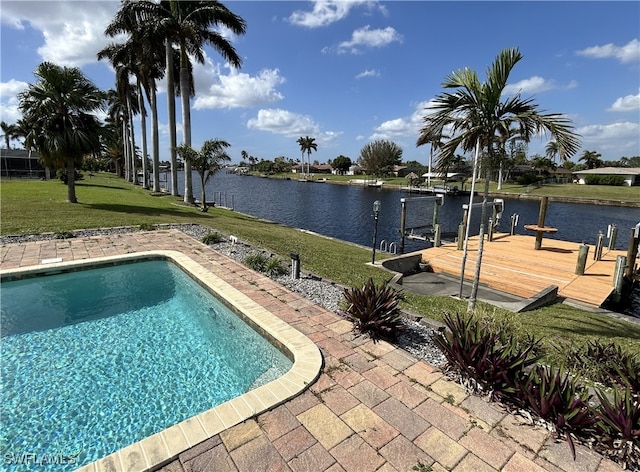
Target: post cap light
{"x": 376, "y": 206}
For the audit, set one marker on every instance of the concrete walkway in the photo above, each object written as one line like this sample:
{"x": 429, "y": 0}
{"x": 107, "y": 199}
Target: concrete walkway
{"x": 373, "y": 408}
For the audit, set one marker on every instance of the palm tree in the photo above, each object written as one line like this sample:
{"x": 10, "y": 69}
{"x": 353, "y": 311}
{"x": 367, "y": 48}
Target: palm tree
{"x": 477, "y": 117}
{"x": 9, "y": 132}
{"x": 591, "y": 159}
{"x": 207, "y": 161}
{"x": 191, "y": 25}
{"x": 307, "y": 145}
{"x": 58, "y": 108}
{"x": 552, "y": 151}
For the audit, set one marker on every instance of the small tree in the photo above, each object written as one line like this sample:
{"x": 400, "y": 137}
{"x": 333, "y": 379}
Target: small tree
{"x": 208, "y": 161}
{"x": 341, "y": 163}
{"x": 379, "y": 157}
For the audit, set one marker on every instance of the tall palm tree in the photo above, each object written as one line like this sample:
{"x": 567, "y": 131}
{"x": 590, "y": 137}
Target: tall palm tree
{"x": 208, "y": 161}
{"x": 9, "y": 132}
{"x": 477, "y": 116}
{"x": 59, "y": 108}
{"x": 307, "y": 145}
{"x": 191, "y": 25}
{"x": 591, "y": 159}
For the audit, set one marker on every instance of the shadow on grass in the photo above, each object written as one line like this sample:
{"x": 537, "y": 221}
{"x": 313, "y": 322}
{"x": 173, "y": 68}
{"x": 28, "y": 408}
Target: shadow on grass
{"x": 150, "y": 211}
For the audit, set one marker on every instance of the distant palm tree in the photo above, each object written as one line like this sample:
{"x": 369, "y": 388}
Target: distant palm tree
{"x": 552, "y": 151}
{"x": 591, "y": 159}
{"x": 58, "y": 108}
{"x": 9, "y": 132}
{"x": 207, "y": 161}
{"x": 476, "y": 115}
{"x": 307, "y": 145}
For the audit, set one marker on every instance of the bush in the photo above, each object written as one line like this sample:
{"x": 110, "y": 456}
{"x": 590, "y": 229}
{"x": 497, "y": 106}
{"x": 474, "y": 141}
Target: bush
{"x": 374, "y": 310}
{"x": 495, "y": 360}
{"x": 594, "y": 179}
{"x": 147, "y": 227}
{"x": 527, "y": 179}
{"x": 618, "y": 420}
{"x": 256, "y": 261}
{"x": 273, "y": 267}
{"x": 212, "y": 238}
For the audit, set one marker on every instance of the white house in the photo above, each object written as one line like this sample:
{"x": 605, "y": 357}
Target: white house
{"x": 631, "y": 174}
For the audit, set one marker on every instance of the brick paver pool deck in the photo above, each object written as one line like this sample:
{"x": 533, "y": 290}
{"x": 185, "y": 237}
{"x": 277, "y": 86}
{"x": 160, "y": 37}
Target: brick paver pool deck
{"x": 373, "y": 408}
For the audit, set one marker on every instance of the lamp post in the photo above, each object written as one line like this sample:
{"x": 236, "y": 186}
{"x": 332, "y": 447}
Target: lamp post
{"x": 376, "y": 212}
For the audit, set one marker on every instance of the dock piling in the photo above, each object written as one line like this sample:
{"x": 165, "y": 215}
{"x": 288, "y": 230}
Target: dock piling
{"x": 597, "y": 254}
{"x": 583, "y": 252}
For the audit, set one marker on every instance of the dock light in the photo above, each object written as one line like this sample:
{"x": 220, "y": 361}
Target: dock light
{"x": 376, "y": 212}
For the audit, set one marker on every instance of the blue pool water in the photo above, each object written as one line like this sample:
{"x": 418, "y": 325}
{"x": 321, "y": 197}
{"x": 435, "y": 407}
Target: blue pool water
{"x": 97, "y": 359}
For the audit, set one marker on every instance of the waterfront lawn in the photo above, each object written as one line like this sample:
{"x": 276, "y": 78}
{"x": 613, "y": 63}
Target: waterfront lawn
{"x": 593, "y": 192}
{"x": 33, "y": 206}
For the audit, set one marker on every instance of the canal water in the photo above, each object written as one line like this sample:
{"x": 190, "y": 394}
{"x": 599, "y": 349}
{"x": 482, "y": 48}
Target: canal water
{"x": 346, "y": 212}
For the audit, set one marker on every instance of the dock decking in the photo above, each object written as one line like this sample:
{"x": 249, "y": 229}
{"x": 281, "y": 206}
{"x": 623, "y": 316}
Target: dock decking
{"x": 512, "y": 265}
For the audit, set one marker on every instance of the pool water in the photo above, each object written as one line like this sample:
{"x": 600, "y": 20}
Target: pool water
{"x": 95, "y": 360}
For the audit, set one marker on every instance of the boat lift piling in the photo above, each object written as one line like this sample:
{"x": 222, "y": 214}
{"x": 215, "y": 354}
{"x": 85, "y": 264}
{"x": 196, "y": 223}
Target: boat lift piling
{"x": 438, "y": 200}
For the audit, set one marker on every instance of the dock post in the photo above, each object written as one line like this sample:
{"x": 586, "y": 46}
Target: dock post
{"x": 461, "y": 230}
{"x": 514, "y": 222}
{"x": 613, "y": 236}
{"x": 597, "y": 254}
{"x": 403, "y": 222}
{"x": 490, "y": 230}
{"x": 632, "y": 252}
{"x": 437, "y": 235}
{"x": 544, "y": 203}
{"x": 583, "y": 252}
{"x": 618, "y": 277}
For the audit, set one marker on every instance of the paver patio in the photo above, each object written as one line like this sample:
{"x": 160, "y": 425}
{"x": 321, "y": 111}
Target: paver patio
{"x": 373, "y": 408}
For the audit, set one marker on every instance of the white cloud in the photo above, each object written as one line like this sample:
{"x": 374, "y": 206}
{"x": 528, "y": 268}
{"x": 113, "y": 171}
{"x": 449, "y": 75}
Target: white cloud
{"x": 372, "y": 38}
{"x": 533, "y": 84}
{"x": 9, "y": 100}
{"x": 368, "y": 73}
{"x": 616, "y": 139}
{"x": 627, "y": 103}
{"x": 283, "y": 122}
{"x": 630, "y": 52}
{"x": 290, "y": 124}
{"x": 73, "y": 31}
{"x": 325, "y": 12}
{"x": 239, "y": 90}
{"x": 408, "y": 126}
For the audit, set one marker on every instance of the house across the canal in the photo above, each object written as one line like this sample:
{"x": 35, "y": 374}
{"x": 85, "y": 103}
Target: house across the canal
{"x": 630, "y": 175}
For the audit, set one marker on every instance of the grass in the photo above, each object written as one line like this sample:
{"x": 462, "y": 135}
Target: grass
{"x": 107, "y": 201}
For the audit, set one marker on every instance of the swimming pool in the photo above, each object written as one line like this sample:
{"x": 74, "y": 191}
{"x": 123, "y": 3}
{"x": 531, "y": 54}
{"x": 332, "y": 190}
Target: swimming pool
{"x": 82, "y": 385}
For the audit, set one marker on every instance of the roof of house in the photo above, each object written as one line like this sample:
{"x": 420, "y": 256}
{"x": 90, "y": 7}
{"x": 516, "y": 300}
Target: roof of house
{"x": 611, "y": 171}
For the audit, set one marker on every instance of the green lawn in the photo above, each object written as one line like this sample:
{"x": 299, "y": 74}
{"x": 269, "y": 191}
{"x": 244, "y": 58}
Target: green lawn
{"x": 29, "y": 206}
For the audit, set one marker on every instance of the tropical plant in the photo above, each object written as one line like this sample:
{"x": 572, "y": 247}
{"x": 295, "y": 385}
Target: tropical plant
{"x": 618, "y": 421}
{"x": 256, "y": 261}
{"x": 379, "y": 157}
{"x": 591, "y": 159}
{"x": 58, "y": 109}
{"x": 274, "y": 267}
{"x": 374, "y": 310}
{"x": 190, "y": 25}
{"x": 493, "y": 359}
{"x": 212, "y": 238}
{"x": 9, "y": 132}
{"x": 208, "y": 161}
{"x": 557, "y": 397}
{"x": 477, "y": 116}
{"x": 307, "y": 145}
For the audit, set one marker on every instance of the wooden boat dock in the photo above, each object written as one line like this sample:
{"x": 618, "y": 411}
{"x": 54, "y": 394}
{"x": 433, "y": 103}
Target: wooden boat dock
{"x": 511, "y": 264}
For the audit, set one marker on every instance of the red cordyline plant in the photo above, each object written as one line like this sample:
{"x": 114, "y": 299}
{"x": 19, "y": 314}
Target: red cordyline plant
{"x": 374, "y": 310}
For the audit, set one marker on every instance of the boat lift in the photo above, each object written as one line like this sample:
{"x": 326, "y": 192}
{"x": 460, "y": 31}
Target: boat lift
{"x": 430, "y": 232}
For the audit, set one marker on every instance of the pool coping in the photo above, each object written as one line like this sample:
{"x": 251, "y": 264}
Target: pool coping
{"x": 161, "y": 448}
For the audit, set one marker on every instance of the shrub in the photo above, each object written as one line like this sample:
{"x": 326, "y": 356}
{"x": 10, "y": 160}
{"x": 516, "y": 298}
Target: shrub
{"x": 527, "y": 179}
{"x": 147, "y": 227}
{"x": 63, "y": 235}
{"x": 594, "y": 179}
{"x": 618, "y": 420}
{"x": 256, "y": 261}
{"x": 273, "y": 267}
{"x": 495, "y": 360}
{"x": 557, "y": 397}
{"x": 374, "y": 310}
{"x": 212, "y": 238}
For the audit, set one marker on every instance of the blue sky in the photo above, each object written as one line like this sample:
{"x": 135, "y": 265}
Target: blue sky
{"x": 351, "y": 72}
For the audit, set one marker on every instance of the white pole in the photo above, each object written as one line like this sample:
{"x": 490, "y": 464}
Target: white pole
{"x": 430, "y": 159}
{"x": 466, "y": 233}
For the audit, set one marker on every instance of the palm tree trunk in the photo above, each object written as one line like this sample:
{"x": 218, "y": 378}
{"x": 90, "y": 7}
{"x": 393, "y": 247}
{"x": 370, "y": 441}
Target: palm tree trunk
{"x": 171, "y": 110}
{"x": 71, "y": 181}
{"x": 155, "y": 141}
{"x": 132, "y": 143}
{"x": 186, "y": 129}
{"x": 483, "y": 215}
{"x": 204, "y": 194}
{"x": 126, "y": 149}
{"x": 143, "y": 128}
